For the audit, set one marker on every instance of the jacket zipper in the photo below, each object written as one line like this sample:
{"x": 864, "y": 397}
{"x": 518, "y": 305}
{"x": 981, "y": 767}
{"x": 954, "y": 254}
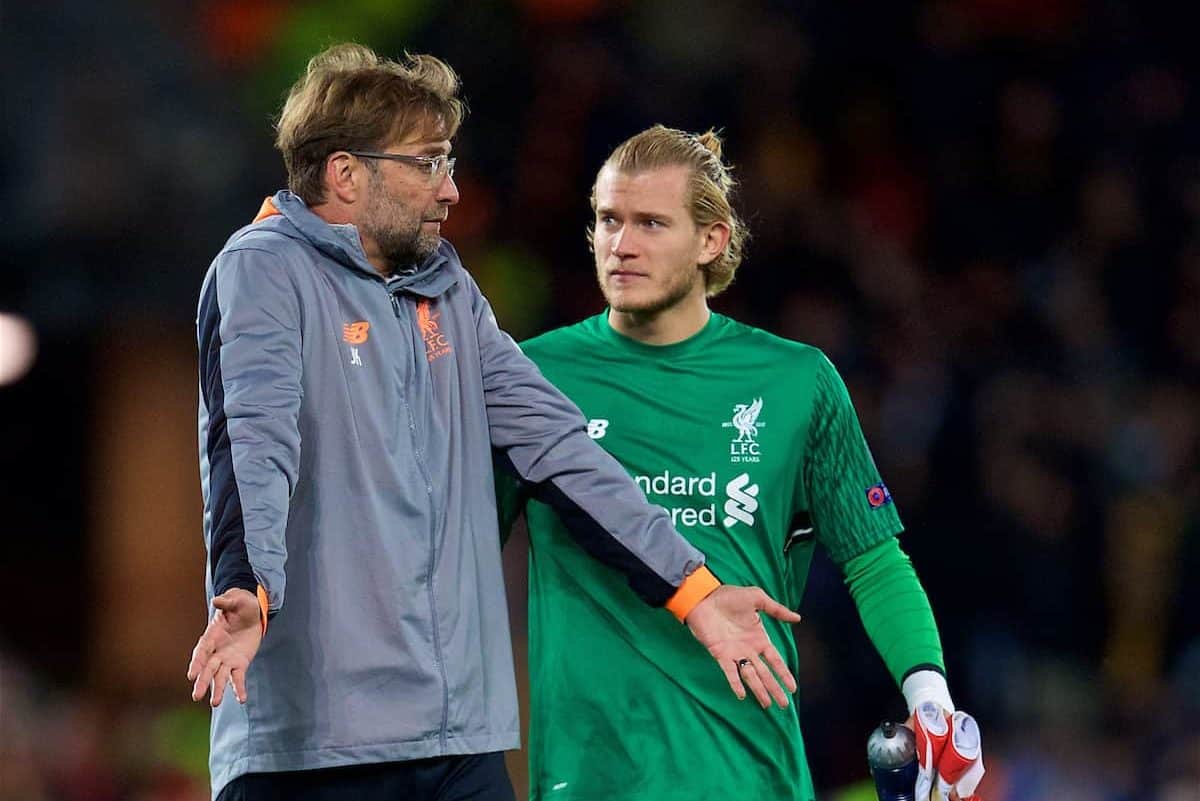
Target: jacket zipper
{"x": 432, "y": 593}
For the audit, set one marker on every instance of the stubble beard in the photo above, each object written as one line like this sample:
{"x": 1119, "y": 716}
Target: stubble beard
{"x": 402, "y": 240}
{"x": 653, "y": 302}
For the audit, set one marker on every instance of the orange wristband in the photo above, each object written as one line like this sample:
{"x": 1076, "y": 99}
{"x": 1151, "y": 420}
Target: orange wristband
{"x": 262, "y": 607}
{"x": 694, "y": 589}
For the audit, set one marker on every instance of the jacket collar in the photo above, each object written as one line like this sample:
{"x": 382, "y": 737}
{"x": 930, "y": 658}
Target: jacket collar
{"x": 342, "y": 244}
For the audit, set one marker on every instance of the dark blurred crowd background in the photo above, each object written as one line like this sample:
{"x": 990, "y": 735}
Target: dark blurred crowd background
{"x": 987, "y": 213}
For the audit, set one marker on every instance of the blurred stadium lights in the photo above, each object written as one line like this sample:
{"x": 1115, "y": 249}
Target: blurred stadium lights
{"x": 18, "y": 348}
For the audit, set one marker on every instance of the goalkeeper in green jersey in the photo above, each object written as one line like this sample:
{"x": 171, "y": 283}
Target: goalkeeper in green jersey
{"x": 752, "y": 445}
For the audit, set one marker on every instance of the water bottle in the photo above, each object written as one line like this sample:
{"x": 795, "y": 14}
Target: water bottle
{"x": 892, "y": 757}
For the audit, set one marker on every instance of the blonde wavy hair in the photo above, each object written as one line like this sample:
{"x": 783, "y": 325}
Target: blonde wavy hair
{"x": 709, "y": 190}
{"x": 350, "y": 98}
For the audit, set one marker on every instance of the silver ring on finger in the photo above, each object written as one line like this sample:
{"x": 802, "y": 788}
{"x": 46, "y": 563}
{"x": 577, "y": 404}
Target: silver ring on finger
{"x": 741, "y": 663}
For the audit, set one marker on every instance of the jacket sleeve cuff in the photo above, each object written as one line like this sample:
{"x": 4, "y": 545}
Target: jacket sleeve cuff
{"x": 262, "y": 608}
{"x": 694, "y": 589}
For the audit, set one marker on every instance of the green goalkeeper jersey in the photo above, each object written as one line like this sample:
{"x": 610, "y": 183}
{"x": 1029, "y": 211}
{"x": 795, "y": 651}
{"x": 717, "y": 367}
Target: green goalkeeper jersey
{"x": 751, "y": 444}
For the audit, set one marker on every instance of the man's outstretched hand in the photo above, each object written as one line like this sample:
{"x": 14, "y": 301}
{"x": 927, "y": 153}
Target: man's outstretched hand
{"x": 226, "y": 647}
{"x": 727, "y": 623}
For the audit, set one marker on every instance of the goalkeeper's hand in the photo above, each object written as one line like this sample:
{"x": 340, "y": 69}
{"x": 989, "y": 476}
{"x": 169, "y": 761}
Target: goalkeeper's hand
{"x": 949, "y": 754}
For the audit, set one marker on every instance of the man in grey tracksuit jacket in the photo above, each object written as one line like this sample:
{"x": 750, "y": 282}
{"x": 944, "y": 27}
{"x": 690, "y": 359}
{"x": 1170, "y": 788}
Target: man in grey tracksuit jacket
{"x": 353, "y": 386}
{"x": 346, "y": 428}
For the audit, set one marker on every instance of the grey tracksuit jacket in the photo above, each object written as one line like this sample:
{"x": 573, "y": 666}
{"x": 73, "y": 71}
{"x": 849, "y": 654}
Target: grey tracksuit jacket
{"x": 347, "y": 427}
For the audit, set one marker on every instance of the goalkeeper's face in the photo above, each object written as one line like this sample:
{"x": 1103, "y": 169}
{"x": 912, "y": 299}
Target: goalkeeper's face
{"x": 648, "y": 250}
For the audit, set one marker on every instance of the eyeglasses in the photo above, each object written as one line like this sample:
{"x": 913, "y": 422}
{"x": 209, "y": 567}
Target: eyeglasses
{"x": 434, "y": 168}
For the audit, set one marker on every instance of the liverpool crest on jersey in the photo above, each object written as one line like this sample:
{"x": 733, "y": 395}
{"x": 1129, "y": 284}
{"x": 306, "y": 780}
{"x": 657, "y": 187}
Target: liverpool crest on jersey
{"x": 744, "y": 446}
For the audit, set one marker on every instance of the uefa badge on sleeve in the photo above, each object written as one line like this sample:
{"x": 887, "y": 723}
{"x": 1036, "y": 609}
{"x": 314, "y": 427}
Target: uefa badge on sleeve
{"x": 878, "y": 495}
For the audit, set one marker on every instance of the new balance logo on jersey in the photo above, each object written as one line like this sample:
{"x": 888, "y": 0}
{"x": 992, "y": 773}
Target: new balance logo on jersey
{"x": 745, "y": 447}
{"x": 356, "y": 333}
{"x": 597, "y": 428}
{"x": 742, "y": 501}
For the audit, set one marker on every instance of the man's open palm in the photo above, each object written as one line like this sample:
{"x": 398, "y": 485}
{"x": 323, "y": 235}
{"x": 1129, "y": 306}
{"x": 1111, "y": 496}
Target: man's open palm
{"x": 227, "y": 646}
{"x": 727, "y": 623}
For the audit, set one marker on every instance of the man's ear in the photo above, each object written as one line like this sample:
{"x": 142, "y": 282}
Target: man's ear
{"x": 715, "y": 238}
{"x": 344, "y": 176}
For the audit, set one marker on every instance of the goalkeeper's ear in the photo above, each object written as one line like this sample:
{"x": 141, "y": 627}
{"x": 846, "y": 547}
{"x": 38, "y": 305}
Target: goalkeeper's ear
{"x": 923, "y": 685}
